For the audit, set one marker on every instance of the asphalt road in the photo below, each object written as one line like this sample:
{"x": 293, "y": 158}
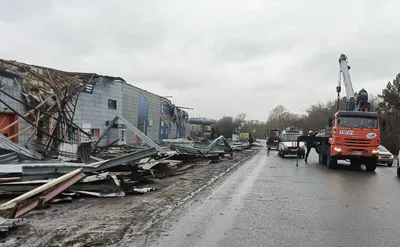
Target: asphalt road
{"x": 270, "y": 202}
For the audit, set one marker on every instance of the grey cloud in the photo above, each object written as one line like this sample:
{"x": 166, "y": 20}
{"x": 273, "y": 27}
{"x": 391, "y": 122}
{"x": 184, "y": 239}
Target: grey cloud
{"x": 241, "y": 50}
{"x": 19, "y": 11}
{"x": 274, "y": 88}
{"x": 371, "y": 64}
{"x": 220, "y": 57}
{"x": 173, "y": 80}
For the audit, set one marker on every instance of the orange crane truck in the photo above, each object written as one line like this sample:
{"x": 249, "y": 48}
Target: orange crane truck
{"x": 352, "y": 134}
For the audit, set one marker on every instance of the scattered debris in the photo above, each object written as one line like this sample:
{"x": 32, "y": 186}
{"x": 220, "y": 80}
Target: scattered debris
{"x": 115, "y": 177}
{"x": 24, "y": 203}
{"x": 8, "y": 224}
{"x": 143, "y": 190}
{"x": 23, "y": 153}
{"x": 92, "y": 220}
{"x": 107, "y": 171}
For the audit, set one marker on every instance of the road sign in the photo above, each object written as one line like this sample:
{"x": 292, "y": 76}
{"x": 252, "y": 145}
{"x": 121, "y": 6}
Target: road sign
{"x": 244, "y": 135}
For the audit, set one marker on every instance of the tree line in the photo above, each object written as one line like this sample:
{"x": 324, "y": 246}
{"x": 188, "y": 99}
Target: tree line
{"x": 316, "y": 116}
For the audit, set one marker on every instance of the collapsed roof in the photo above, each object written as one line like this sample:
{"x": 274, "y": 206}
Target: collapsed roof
{"x": 47, "y": 93}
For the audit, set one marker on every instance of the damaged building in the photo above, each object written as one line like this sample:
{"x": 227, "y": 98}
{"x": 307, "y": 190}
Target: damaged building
{"x": 67, "y": 135}
{"x": 47, "y": 106}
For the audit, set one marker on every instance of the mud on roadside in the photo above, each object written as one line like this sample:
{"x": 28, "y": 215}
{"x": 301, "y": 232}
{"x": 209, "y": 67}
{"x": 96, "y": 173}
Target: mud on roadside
{"x": 105, "y": 221}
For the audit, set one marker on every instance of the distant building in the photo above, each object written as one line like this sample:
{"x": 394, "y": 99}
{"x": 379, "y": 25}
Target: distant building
{"x": 200, "y": 127}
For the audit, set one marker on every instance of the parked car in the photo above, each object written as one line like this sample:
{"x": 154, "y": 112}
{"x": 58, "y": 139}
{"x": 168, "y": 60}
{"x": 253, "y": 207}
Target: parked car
{"x": 240, "y": 145}
{"x": 385, "y": 157}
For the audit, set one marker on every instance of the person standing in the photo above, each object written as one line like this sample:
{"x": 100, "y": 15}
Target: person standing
{"x": 310, "y": 144}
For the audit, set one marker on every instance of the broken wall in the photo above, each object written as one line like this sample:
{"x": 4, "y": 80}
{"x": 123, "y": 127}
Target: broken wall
{"x": 93, "y": 110}
{"x": 11, "y": 85}
{"x": 130, "y": 111}
{"x": 135, "y": 101}
{"x": 188, "y": 129}
{"x": 173, "y": 119}
{"x": 154, "y": 114}
{"x": 178, "y": 129}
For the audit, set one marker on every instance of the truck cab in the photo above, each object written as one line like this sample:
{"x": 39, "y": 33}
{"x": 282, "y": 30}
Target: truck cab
{"x": 355, "y": 136}
{"x": 273, "y": 139}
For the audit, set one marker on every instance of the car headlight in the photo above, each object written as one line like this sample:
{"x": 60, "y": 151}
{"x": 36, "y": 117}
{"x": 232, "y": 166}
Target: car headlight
{"x": 391, "y": 156}
{"x": 375, "y": 151}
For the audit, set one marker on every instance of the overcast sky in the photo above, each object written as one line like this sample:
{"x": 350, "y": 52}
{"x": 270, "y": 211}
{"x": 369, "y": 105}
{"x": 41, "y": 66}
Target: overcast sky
{"x": 220, "y": 57}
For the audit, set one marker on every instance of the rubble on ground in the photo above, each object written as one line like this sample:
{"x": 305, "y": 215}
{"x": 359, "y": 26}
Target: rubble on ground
{"x": 94, "y": 221}
{"x": 97, "y": 171}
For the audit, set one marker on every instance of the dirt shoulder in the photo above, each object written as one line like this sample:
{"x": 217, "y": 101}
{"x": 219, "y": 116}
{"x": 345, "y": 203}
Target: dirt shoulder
{"x": 107, "y": 221}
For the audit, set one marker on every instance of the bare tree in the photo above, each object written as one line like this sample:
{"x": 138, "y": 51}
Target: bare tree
{"x": 240, "y": 117}
{"x": 225, "y": 125}
{"x": 276, "y": 117}
{"x": 389, "y": 110}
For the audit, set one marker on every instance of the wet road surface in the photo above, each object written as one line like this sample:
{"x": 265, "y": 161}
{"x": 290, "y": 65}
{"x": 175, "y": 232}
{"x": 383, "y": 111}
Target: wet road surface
{"x": 270, "y": 202}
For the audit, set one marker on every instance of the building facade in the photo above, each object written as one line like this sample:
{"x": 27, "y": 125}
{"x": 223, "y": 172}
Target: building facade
{"x": 96, "y": 108}
{"x": 143, "y": 109}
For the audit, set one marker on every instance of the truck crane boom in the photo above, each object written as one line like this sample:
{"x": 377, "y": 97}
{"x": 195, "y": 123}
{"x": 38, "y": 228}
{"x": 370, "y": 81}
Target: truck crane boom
{"x": 345, "y": 73}
{"x": 354, "y": 102}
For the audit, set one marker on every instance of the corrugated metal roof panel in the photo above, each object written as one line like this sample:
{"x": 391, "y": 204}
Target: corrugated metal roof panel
{"x": 23, "y": 152}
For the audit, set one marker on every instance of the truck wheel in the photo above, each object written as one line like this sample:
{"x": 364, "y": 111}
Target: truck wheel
{"x": 322, "y": 159}
{"x": 370, "y": 164}
{"x": 390, "y": 163}
{"x": 331, "y": 161}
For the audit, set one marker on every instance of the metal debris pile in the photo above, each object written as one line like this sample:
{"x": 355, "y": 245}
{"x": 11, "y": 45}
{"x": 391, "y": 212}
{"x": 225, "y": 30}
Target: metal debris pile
{"x": 49, "y": 97}
{"x": 99, "y": 171}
